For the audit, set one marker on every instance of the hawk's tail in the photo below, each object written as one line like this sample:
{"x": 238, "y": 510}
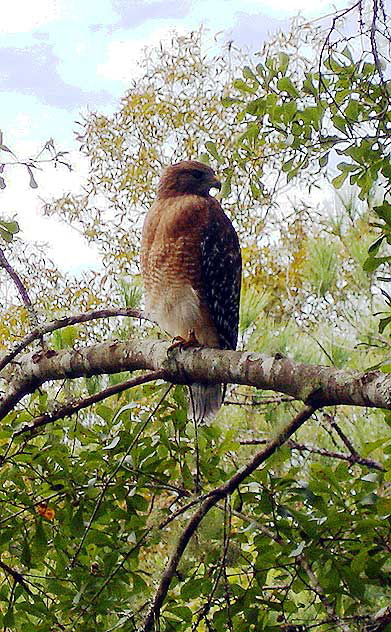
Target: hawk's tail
{"x": 205, "y": 400}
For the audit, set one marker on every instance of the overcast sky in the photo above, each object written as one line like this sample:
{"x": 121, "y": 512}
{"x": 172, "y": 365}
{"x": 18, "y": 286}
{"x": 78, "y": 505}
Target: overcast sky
{"x": 59, "y": 58}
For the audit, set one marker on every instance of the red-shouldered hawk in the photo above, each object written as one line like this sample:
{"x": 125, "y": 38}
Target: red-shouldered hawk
{"x": 191, "y": 265}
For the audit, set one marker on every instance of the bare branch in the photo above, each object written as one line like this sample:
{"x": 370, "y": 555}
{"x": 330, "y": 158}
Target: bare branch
{"x": 259, "y": 402}
{"x": 342, "y": 436}
{"x": 4, "y": 263}
{"x": 380, "y": 621}
{"x": 301, "y": 447}
{"x": 315, "y": 385}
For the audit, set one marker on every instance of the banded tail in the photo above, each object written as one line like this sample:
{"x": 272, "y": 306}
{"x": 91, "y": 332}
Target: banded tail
{"x": 205, "y": 401}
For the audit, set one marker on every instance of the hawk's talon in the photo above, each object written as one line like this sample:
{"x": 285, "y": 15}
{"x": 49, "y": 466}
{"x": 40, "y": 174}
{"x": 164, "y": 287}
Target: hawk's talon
{"x": 183, "y": 343}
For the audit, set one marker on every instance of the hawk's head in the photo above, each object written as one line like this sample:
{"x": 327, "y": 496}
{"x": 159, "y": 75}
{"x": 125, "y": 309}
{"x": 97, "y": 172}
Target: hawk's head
{"x": 187, "y": 177}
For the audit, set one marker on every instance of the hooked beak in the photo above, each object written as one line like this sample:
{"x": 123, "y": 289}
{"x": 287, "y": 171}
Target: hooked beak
{"x": 216, "y": 184}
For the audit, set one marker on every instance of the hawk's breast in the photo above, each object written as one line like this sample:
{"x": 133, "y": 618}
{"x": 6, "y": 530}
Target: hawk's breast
{"x": 171, "y": 267}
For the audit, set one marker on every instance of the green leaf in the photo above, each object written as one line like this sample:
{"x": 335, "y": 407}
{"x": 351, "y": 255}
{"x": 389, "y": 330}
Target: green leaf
{"x": 339, "y": 180}
{"x": 374, "y": 247}
{"x": 372, "y": 263}
{"x": 228, "y": 101}
{"x": 352, "y": 109}
{"x": 9, "y": 619}
{"x": 285, "y": 85}
{"x": 182, "y": 612}
{"x": 242, "y": 86}
{"x": 283, "y": 62}
{"x": 383, "y": 323}
{"x": 308, "y": 86}
{"x": 40, "y": 541}
{"x": 12, "y": 227}
{"x": 346, "y": 52}
{"x": 323, "y": 160}
{"x": 212, "y": 149}
{"x": 77, "y": 523}
{"x": 6, "y": 235}
{"x": 195, "y": 587}
{"x": 249, "y": 74}
{"x": 384, "y": 212}
{"x": 25, "y": 556}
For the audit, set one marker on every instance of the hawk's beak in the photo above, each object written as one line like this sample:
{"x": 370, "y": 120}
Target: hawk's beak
{"x": 216, "y": 184}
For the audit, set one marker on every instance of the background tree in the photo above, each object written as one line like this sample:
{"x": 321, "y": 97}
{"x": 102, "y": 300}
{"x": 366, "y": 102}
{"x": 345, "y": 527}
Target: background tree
{"x": 103, "y": 481}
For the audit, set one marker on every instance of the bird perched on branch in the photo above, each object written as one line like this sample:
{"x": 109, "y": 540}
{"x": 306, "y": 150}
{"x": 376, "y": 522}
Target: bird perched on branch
{"x": 191, "y": 266}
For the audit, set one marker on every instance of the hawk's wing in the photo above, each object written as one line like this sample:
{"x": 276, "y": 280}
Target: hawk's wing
{"x": 221, "y": 270}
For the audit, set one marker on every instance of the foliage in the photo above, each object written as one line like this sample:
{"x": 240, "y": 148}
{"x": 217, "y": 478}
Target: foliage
{"x": 171, "y": 111}
{"x": 93, "y": 505}
{"x": 329, "y": 111}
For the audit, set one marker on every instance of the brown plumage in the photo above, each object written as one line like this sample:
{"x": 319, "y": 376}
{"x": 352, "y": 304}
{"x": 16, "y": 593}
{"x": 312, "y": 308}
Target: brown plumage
{"x": 191, "y": 266}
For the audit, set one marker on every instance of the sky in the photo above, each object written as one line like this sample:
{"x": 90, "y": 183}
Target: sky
{"x": 62, "y": 58}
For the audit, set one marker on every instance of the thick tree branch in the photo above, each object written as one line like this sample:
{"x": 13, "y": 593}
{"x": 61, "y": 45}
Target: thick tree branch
{"x": 314, "y": 385}
{"x": 211, "y": 500}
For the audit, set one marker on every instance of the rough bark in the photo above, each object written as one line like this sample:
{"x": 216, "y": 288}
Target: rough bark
{"x": 312, "y": 384}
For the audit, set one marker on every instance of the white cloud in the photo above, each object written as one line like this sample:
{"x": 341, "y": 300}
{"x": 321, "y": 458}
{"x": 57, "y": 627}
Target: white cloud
{"x": 123, "y": 55}
{"x": 68, "y": 249}
{"x": 284, "y": 8}
{"x": 22, "y": 16}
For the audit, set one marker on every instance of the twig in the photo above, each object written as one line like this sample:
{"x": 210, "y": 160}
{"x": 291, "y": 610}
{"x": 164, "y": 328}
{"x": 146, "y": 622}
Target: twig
{"x": 380, "y": 621}
{"x": 342, "y": 435}
{"x": 75, "y": 407}
{"x": 114, "y": 472}
{"x": 317, "y": 588}
{"x": 17, "y": 577}
{"x": 53, "y": 325}
{"x": 351, "y": 458}
{"x": 4, "y": 263}
{"x": 212, "y": 499}
{"x": 221, "y": 569}
{"x": 261, "y": 527}
{"x": 326, "y": 44}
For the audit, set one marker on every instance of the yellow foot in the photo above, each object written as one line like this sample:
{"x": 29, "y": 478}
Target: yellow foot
{"x": 182, "y": 343}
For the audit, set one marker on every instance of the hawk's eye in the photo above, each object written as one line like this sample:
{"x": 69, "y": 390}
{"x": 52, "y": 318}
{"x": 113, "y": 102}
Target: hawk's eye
{"x": 198, "y": 175}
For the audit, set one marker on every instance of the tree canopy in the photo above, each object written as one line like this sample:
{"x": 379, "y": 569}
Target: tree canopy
{"x": 117, "y": 513}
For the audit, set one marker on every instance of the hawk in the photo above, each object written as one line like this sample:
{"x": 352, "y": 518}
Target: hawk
{"x": 191, "y": 266}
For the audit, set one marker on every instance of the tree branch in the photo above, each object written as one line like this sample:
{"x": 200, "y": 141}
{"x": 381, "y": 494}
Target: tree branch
{"x": 301, "y": 447}
{"x": 73, "y": 407}
{"x": 17, "y": 577}
{"x": 53, "y": 325}
{"x": 380, "y": 621}
{"x": 23, "y": 293}
{"x": 317, "y": 588}
{"x": 315, "y": 385}
{"x": 211, "y": 500}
